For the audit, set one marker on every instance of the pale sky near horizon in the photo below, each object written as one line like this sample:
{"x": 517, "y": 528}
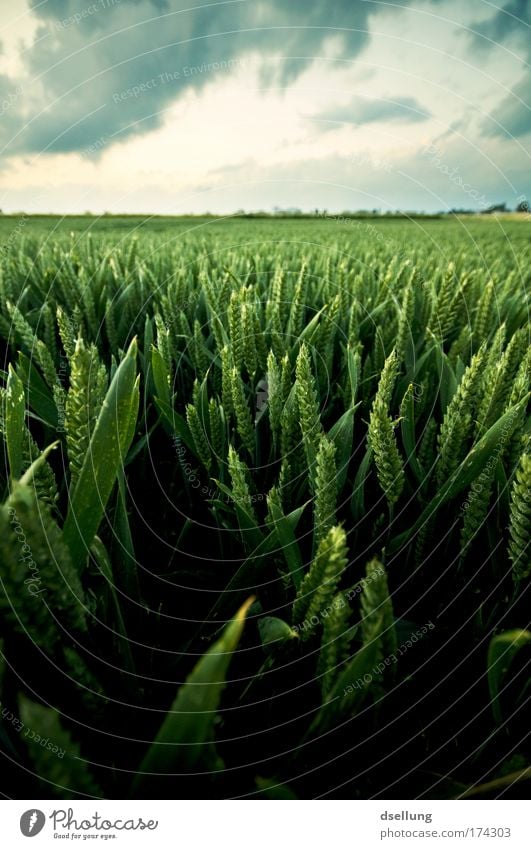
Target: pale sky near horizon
{"x": 175, "y": 106}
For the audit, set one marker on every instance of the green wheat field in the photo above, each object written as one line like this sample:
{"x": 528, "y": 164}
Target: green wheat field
{"x": 265, "y": 508}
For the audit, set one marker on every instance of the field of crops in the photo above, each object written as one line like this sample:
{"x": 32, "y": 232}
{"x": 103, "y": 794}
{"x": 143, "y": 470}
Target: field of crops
{"x": 265, "y": 508}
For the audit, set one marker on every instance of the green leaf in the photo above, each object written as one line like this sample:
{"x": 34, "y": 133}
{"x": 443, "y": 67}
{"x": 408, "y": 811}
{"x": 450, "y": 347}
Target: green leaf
{"x": 189, "y": 726}
{"x": 246, "y": 575}
{"x": 160, "y": 376}
{"x": 28, "y": 478}
{"x": 15, "y": 409}
{"x": 129, "y": 433}
{"x": 123, "y": 549}
{"x": 357, "y": 503}
{"x": 274, "y": 631}
{"x": 203, "y": 403}
{"x": 447, "y": 379}
{"x": 342, "y": 434}
{"x": 109, "y": 444}
{"x": 284, "y": 529}
{"x": 39, "y": 396}
{"x": 148, "y": 337}
{"x": 407, "y": 427}
{"x": 370, "y": 317}
{"x": 502, "y": 650}
{"x": 307, "y": 333}
{"x": 175, "y": 425}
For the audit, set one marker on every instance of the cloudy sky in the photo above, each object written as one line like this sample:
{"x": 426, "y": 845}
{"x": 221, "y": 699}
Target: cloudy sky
{"x": 172, "y": 106}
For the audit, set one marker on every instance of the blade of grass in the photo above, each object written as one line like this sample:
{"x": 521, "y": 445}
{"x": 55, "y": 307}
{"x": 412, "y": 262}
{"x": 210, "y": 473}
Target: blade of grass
{"x": 189, "y": 725}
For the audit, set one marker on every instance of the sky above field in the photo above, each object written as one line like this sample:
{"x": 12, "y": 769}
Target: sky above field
{"x": 175, "y": 106}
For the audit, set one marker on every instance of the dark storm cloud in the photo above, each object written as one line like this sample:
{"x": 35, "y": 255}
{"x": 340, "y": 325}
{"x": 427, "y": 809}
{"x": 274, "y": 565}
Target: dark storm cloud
{"x": 512, "y": 118}
{"x": 512, "y": 23}
{"x": 509, "y": 20}
{"x": 362, "y": 110}
{"x": 107, "y": 69}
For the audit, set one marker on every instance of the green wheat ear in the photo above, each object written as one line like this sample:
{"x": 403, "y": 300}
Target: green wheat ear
{"x": 519, "y": 439}
{"x": 308, "y": 407}
{"x": 478, "y": 505}
{"x": 325, "y": 489}
{"x": 485, "y": 314}
{"x": 275, "y": 402}
{"x": 335, "y": 643}
{"x": 405, "y": 323}
{"x": 326, "y": 339}
{"x": 353, "y": 332}
{"x": 67, "y": 333}
{"x": 24, "y": 334}
{"x": 444, "y": 314}
{"x": 41, "y": 593}
{"x": 196, "y": 393}
{"x": 273, "y": 500}
{"x": 461, "y": 348}
{"x": 199, "y": 351}
{"x": 284, "y": 481}
{"x": 197, "y": 429}
{"x": 378, "y": 620}
{"x": 290, "y": 432}
{"x": 44, "y": 481}
{"x": 458, "y": 422}
{"x": 244, "y": 419}
{"x": 499, "y": 377}
{"x": 88, "y": 386}
{"x": 273, "y": 310}
{"x": 163, "y": 344}
{"x": 250, "y": 353}
{"x": 427, "y": 448}
{"x": 296, "y": 315}
{"x": 520, "y": 521}
{"x": 381, "y": 436}
{"x": 234, "y": 315}
{"x": 239, "y": 475}
{"x": 378, "y": 639}
{"x": 89, "y": 691}
{"x": 226, "y": 380}
{"x": 387, "y": 381}
{"x": 259, "y": 339}
{"x": 320, "y": 582}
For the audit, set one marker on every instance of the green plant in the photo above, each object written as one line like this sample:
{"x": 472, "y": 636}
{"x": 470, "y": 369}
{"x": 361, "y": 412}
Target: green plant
{"x": 184, "y": 428}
